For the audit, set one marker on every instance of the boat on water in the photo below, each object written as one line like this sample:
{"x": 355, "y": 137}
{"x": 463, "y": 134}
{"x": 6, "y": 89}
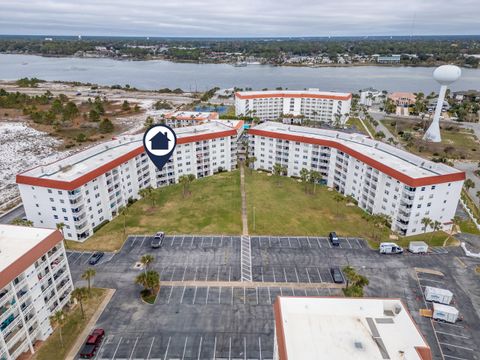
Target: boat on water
{"x": 240, "y": 64}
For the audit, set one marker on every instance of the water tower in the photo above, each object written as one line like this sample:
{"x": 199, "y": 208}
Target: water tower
{"x": 445, "y": 75}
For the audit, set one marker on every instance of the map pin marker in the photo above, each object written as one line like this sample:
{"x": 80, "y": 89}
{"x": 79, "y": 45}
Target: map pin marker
{"x": 159, "y": 142}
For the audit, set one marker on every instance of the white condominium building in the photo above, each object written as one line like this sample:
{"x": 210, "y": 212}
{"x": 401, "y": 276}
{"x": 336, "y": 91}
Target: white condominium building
{"x": 346, "y": 328}
{"x": 382, "y": 178}
{"x": 313, "y": 104}
{"x": 35, "y": 282}
{"x": 85, "y": 190}
{"x": 187, "y": 118}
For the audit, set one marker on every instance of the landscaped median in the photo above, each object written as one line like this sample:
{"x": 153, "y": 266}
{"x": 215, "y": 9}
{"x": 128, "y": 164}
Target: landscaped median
{"x": 72, "y": 328}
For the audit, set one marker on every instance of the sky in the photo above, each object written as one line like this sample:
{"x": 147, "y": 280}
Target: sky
{"x": 240, "y": 18}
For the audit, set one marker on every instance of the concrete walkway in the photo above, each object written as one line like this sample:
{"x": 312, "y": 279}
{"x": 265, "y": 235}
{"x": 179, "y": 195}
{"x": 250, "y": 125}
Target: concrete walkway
{"x": 244, "y": 201}
{"x": 88, "y": 328}
{"x": 255, "y": 284}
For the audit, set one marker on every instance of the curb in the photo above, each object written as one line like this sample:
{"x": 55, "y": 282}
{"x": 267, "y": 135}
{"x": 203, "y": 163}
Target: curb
{"x": 71, "y": 355}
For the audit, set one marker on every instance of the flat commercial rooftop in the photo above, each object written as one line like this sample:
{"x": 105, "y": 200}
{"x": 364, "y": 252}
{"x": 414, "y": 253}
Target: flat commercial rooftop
{"x": 124, "y": 148}
{"x": 17, "y": 241}
{"x": 402, "y": 161}
{"x": 346, "y": 328}
{"x": 192, "y": 115}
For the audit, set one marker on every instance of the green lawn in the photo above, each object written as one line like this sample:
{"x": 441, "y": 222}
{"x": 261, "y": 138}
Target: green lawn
{"x": 212, "y": 207}
{"x": 283, "y": 208}
{"x": 467, "y": 226}
{"x": 436, "y": 238}
{"x": 457, "y": 143}
{"x": 74, "y": 325}
{"x": 353, "y": 121}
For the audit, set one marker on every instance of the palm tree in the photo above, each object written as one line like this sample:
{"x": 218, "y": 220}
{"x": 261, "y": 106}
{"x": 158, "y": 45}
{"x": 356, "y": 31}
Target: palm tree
{"x": 315, "y": 177}
{"x": 426, "y": 222}
{"x": 146, "y": 260}
{"x": 88, "y": 275}
{"x": 304, "y": 176}
{"x": 60, "y": 227}
{"x": 469, "y": 184}
{"x": 58, "y": 318}
{"x": 250, "y": 161}
{"x": 185, "y": 180}
{"x": 435, "y": 227}
{"x": 150, "y": 280}
{"x": 338, "y": 198}
{"x": 22, "y": 222}
{"x": 277, "y": 171}
{"x": 123, "y": 210}
{"x": 80, "y": 294}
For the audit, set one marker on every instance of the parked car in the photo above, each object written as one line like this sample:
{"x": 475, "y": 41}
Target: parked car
{"x": 91, "y": 345}
{"x": 334, "y": 239}
{"x": 157, "y": 240}
{"x": 337, "y": 275}
{"x": 95, "y": 258}
{"x": 390, "y": 248}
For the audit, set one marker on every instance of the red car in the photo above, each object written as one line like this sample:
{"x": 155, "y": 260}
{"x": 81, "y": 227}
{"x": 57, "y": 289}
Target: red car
{"x": 91, "y": 345}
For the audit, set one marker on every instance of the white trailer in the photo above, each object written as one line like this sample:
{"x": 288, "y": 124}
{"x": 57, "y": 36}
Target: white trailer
{"x": 445, "y": 313}
{"x": 418, "y": 247}
{"x": 438, "y": 295}
{"x": 390, "y": 248}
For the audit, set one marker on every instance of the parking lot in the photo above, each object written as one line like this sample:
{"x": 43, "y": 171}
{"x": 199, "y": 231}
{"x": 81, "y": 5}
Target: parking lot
{"x": 456, "y": 341}
{"x": 228, "y": 321}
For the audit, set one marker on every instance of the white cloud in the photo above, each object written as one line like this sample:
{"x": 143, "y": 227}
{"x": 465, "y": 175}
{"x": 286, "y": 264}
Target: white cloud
{"x": 239, "y": 17}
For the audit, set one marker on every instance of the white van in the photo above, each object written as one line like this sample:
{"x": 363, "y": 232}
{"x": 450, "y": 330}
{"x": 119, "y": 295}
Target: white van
{"x": 418, "y": 247}
{"x": 438, "y": 295}
{"x": 445, "y": 313}
{"x": 390, "y": 248}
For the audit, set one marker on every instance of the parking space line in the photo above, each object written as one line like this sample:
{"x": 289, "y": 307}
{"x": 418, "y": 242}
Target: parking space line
{"x": 215, "y": 347}
{"x": 116, "y": 349}
{"x": 289, "y": 243}
{"x": 269, "y": 296}
{"x": 308, "y": 276}
{"x": 244, "y": 295}
{"x": 318, "y": 242}
{"x": 285, "y": 274}
{"x": 171, "y": 290}
{"x": 191, "y": 242}
{"x": 257, "y": 294}
{"x": 244, "y": 348}
{"x": 195, "y": 295}
{"x": 358, "y": 243}
{"x": 184, "y": 271}
{"x": 133, "y": 242}
{"x": 219, "y": 294}
{"x": 166, "y": 350}
{"x": 293, "y": 291}
{"x": 261, "y": 270}
{"x": 349, "y": 243}
{"x": 296, "y": 274}
{"x": 309, "y": 244}
{"x": 133, "y": 350}
{"x": 444, "y": 323}
{"x": 431, "y": 280}
{"x": 173, "y": 240}
{"x": 319, "y": 276}
{"x": 273, "y": 270}
{"x": 229, "y": 273}
{"x": 184, "y": 347}
{"x": 183, "y": 294}
{"x": 200, "y": 348}
{"x": 206, "y": 275}
{"x": 218, "y": 273}
{"x": 318, "y": 292}
{"x": 232, "y": 296}
{"x": 150, "y": 350}
{"x": 454, "y": 335}
{"x": 86, "y": 261}
{"x": 195, "y": 276}
{"x": 208, "y": 290}
{"x": 454, "y": 357}
{"x": 143, "y": 240}
{"x": 260, "y": 348}
{"x": 281, "y": 292}
{"x": 173, "y": 272}
{"x": 457, "y": 346}
{"x": 201, "y": 244}
{"x": 230, "y": 349}
{"x": 101, "y": 346}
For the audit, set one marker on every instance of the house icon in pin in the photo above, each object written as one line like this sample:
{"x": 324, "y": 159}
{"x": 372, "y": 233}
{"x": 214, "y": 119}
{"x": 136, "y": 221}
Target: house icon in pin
{"x": 160, "y": 141}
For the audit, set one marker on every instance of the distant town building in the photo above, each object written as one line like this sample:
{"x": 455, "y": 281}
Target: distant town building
{"x": 188, "y": 118}
{"x": 313, "y": 104}
{"x": 86, "y": 189}
{"x": 382, "y": 178}
{"x": 402, "y": 100}
{"x": 392, "y": 59}
{"x": 369, "y": 96}
{"x": 432, "y": 104}
{"x": 35, "y": 282}
{"x": 346, "y": 328}
{"x": 470, "y": 95}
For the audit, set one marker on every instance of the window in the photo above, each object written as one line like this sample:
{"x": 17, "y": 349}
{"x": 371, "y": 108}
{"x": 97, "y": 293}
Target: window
{"x": 49, "y": 190}
{"x": 429, "y": 204}
{"x": 433, "y": 187}
{"x": 65, "y": 218}
{"x": 54, "y": 208}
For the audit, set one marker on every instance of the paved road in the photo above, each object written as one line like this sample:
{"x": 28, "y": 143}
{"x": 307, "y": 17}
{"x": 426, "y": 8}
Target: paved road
{"x": 8, "y": 217}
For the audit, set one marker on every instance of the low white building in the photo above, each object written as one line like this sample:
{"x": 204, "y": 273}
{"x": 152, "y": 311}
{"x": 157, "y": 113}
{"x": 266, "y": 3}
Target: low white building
{"x": 382, "y": 178}
{"x": 85, "y": 190}
{"x": 313, "y": 104}
{"x": 35, "y": 282}
{"x": 188, "y": 118}
{"x": 369, "y": 96}
{"x": 334, "y": 328}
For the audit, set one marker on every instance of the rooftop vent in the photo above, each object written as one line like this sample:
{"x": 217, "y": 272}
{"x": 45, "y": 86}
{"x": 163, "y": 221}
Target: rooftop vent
{"x": 358, "y": 345}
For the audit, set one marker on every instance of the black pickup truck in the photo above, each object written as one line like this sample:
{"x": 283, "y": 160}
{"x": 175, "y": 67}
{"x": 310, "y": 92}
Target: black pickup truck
{"x": 91, "y": 345}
